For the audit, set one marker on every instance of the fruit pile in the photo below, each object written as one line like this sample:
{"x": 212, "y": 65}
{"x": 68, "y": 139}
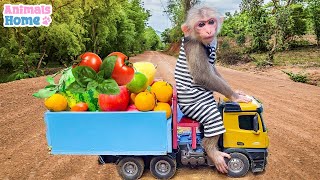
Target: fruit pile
{"x": 157, "y": 98}
{"x": 114, "y": 84}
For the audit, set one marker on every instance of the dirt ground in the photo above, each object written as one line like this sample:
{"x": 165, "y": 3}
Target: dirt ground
{"x": 292, "y": 116}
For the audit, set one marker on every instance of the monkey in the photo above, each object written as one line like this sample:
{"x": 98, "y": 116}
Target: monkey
{"x": 197, "y": 78}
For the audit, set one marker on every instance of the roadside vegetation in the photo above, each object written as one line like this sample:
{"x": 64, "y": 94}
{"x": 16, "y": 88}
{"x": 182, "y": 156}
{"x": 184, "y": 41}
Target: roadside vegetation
{"x": 277, "y": 34}
{"x": 77, "y": 26}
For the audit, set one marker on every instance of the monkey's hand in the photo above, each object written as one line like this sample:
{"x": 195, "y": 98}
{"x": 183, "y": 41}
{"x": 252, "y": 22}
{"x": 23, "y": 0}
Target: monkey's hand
{"x": 239, "y": 92}
{"x": 236, "y": 97}
{"x": 218, "y": 159}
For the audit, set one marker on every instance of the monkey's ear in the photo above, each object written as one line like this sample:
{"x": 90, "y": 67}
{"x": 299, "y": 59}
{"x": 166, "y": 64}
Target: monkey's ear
{"x": 186, "y": 30}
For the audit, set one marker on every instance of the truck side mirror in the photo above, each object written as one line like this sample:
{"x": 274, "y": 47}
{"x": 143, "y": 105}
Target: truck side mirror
{"x": 255, "y": 123}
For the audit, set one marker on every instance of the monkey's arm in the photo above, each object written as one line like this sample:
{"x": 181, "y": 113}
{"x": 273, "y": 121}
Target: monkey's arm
{"x": 216, "y": 71}
{"x": 203, "y": 74}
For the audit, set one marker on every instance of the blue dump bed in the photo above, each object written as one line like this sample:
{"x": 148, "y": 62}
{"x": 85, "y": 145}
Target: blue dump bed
{"x": 109, "y": 133}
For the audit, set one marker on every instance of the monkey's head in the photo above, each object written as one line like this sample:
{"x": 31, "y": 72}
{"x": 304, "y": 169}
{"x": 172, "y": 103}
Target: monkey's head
{"x": 203, "y": 23}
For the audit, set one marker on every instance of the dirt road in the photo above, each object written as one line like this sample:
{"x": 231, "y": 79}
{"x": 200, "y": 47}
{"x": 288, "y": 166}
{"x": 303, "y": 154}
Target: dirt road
{"x": 292, "y": 115}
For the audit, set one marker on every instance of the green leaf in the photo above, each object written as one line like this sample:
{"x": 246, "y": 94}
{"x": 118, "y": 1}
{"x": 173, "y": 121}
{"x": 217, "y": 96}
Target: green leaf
{"x": 44, "y": 93}
{"x": 107, "y": 67}
{"x": 51, "y": 86}
{"x": 84, "y": 75}
{"x": 75, "y": 87}
{"x": 92, "y": 85}
{"x": 65, "y": 79}
{"x": 100, "y": 77}
{"x": 108, "y": 86}
{"x": 50, "y": 80}
{"x": 65, "y": 75}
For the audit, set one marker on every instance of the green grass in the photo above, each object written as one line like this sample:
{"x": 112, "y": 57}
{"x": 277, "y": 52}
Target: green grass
{"x": 304, "y": 57}
{"x": 298, "y": 77}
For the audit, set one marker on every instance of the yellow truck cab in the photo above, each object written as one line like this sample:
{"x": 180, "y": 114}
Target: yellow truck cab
{"x": 246, "y": 138}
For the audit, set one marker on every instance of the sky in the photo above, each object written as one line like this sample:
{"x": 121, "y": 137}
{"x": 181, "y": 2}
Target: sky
{"x": 159, "y": 20}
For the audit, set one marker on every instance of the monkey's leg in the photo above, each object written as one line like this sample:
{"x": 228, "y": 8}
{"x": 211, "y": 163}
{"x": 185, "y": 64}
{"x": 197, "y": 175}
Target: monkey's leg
{"x": 216, "y": 156}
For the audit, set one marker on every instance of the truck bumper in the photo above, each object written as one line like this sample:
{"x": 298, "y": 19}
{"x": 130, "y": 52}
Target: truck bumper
{"x": 258, "y": 159}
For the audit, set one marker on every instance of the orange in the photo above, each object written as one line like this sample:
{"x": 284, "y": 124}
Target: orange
{"x": 145, "y": 101}
{"x": 163, "y": 91}
{"x": 56, "y": 102}
{"x": 163, "y": 107}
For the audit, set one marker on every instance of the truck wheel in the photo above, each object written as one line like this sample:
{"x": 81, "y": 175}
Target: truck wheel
{"x": 163, "y": 167}
{"x": 130, "y": 168}
{"x": 238, "y": 165}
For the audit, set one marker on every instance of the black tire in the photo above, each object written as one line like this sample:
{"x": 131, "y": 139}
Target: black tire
{"x": 163, "y": 167}
{"x": 238, "y": 165}
{"x": 130, "y": 168}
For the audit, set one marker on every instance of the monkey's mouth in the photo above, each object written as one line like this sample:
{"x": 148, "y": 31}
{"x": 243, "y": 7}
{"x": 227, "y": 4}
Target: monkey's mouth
{"x": 209, "y": 37}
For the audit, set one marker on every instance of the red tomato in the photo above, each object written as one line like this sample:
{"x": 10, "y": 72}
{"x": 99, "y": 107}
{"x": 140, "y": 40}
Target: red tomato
{"x": 120, "y": 54}
{"x": 80, "y": 107}
{"x": 117, "y": 102}
{"x": 91, "y": 60}
{"x": 123, "y": 71}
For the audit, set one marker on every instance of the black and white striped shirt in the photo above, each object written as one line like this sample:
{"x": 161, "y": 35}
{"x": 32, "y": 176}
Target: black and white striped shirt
{"x": 195, "y": 101}
{"x": 188, "y": 91}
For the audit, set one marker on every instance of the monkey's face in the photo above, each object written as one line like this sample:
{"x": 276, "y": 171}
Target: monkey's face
{"x": 206, "y": 29}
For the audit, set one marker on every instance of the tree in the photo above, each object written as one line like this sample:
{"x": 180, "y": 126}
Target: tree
{"x": 290, "y": 21}
{"x": 259, "y": 24}
{"x": 177, "y": 11}
{"x": 236, "y": 26}
{"x": 152, "y": 40}
{"x": 100, "y": 26}
{"x": 314, "y": 8}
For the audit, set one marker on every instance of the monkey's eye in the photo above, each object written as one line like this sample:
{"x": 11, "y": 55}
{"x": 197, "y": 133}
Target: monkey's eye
{"x": 211, "y": 22}
{"x": 201, "y": 24}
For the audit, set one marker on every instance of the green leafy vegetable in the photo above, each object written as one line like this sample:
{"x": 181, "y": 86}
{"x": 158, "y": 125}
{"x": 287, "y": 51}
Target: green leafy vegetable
{"x": 75, "y": 87}
{"x": 107, "y": 67}
{"x": 82, "y": 79}
{"x": 44, "y": 93}
{"x": 84, "y": 74}
{"x": 87, "y": 79}
{"x": 92, "y": 85}
{"x": 109, "y": 86}
{"x": 50, "y": 80}
{"x": 65, "y": 79}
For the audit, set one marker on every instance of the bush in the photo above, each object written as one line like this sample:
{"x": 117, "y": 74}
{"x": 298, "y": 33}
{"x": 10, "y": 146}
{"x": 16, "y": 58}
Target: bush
{"x": 22, "y": 75}
{"x": 263, "y": 63}
{"x": 231, "y": 57}
{"x": 241, "y": 39}
{"x": 225, "y": 44}
{"x": 298, "y": 43}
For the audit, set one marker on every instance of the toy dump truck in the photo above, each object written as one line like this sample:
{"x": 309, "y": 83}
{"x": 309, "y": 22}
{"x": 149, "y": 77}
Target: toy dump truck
{"x": 137, "y": 140}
